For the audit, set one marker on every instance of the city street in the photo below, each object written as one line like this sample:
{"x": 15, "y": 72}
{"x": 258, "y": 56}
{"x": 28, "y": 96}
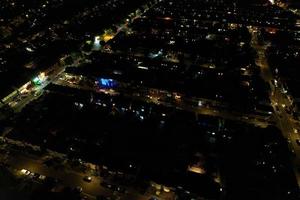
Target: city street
{"x": 73, "y": 178}
{"x": 279, "y": 101}
{"x": 17, "y": 102}
{"x": 150, "y": 100}
{"x": 161, "y": 98}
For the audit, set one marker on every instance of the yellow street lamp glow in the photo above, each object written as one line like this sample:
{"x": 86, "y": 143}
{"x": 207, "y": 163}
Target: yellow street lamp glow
{"x": 107, "y": 37}
{"x": 196, "y": 169}
{"x": 42, "y": 76}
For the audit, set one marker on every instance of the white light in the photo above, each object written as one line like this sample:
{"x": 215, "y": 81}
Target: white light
{"x": 141, "y": 67}
{"x": 200, "y": 103}
{"x": 42, "y": 76}
{"x": 29, "y": 49}
{"x": 97, "y": 43}
{"x": 295, "y": 130}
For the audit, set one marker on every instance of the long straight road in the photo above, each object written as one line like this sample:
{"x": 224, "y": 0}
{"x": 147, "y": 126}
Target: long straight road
{"x": 161, "y": 98}
{"x": 18, "y": 102}
{"x": 72, "y": 178}
{"x": 279, "y": 101}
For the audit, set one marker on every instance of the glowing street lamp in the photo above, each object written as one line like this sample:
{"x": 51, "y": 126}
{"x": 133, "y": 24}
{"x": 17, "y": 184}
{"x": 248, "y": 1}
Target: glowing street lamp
{"x": 97, "y": 44}
{"x": 42, "y": 76}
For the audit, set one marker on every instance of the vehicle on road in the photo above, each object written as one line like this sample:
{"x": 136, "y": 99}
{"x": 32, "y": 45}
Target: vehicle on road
{"x": 121, "y": 190}
{"x": 32, "y": 175}
{"x": 87, "y": 179}
{"x": 42, "y": 177}
{"x": 36, "y": 176}
{"x": 107, "y": 185}
{"x": 25, "y": 172}
{"x": 296, "y": 130}
{"x": 78, "y": 189}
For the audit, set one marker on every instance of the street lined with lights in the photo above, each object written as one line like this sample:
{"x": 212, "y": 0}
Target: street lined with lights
{"x": 279, "y": 97}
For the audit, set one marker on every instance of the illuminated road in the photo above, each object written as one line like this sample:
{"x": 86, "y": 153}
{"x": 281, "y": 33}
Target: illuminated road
{"x": 74, "y": 178}
{"x": 280, "y": 102}
{"x": 286, "y": 7}
{"x": 150, "y": 95}
{"x": 283, "y": 120}
{"x": 17, "y": 102}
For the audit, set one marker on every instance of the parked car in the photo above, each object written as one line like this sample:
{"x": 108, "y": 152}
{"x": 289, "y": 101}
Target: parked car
{"x": 87, "y": 179}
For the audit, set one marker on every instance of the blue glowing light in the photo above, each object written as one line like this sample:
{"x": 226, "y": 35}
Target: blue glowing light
{"x": 107, "y": 83}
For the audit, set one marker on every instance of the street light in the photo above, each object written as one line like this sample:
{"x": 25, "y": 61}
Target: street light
{"x": 97, "y": 44}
